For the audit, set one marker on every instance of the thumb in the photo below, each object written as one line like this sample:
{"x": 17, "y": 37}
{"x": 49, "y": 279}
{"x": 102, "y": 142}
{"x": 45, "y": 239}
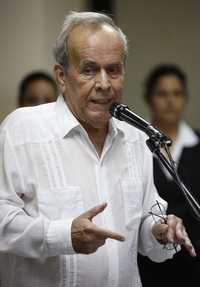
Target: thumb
{"x": 94, "y": 211}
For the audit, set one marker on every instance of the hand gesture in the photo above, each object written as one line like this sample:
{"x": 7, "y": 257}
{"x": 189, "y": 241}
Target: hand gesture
{"x": 173, "y": 231}
{"x": 88, "y": 237}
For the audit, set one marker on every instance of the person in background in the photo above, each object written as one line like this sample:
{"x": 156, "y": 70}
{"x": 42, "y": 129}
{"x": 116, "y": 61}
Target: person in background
{"x": 37, "y": 88}
{"x": 166, "y": 94}
{"x": 76, "y": 186}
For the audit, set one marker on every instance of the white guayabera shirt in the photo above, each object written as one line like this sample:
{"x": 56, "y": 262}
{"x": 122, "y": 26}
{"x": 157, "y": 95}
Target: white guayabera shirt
{"x": 49, "y": 174}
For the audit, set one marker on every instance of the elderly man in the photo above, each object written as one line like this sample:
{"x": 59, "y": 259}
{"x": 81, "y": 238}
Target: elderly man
{"x": 76, "y": 185}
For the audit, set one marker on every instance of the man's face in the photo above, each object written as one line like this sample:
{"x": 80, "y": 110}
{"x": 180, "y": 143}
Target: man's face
{"x": 168, "y": 100}
{"x": 95, "y": 74}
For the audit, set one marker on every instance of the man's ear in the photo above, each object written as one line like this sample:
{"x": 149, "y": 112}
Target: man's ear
{"x": 60, "y": 77}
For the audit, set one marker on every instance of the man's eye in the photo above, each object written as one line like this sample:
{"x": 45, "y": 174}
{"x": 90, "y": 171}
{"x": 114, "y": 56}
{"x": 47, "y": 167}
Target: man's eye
{"x": 115, "y": 70}
{"x": 89, "y": 71}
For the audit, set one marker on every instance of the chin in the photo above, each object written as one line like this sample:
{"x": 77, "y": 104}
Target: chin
{"x": 100, "y": 116}
{"x": 97, "y": 119}
{"x": 100, "y": 123}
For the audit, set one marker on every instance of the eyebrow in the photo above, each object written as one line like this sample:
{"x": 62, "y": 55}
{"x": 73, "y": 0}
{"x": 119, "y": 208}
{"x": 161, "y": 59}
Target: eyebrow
{"x": 88, "y": 62}
{"x": 93, "y": 63}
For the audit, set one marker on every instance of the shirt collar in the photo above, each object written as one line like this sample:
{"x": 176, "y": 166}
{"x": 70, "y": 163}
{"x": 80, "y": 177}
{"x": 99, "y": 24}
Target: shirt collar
{"x": 67, "y": 121}
{"x": 121, "y": 128}
{"x": 115, "y": 127}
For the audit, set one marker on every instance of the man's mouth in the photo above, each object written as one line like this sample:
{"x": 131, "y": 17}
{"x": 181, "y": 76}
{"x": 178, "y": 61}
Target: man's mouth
{"x": 102, "y": 105}
{"x": 101, "y": 101}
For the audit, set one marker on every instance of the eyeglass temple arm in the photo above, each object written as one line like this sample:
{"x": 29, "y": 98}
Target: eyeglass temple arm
{"x": 158, "y": 215}
{"x": 154, "y": 147}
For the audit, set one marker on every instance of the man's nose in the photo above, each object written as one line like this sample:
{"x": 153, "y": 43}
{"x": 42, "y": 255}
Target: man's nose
{"x": 102, "y": 80}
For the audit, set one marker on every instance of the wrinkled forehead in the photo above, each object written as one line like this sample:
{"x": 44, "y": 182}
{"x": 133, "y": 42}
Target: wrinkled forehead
{"x": 102, "y": 39}
{"x": 91, "y": 28}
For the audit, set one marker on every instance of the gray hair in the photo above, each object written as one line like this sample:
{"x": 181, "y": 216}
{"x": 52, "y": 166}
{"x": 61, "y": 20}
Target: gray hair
{"x": 74, "y": 19}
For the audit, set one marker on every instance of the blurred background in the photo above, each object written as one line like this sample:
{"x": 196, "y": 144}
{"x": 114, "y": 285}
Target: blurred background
{"x": 158, "y": 32}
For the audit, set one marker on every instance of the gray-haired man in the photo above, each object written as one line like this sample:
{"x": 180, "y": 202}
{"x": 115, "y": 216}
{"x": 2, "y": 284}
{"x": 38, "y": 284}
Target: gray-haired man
{"x": 76, "y": 185}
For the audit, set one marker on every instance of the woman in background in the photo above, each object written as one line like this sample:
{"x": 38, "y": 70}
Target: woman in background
{"x": 166, "y": 95}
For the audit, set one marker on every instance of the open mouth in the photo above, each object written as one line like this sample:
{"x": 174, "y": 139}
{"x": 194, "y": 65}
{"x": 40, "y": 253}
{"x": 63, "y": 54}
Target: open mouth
{"x": 100, "y": 105}
{"x": 101, "y": 101}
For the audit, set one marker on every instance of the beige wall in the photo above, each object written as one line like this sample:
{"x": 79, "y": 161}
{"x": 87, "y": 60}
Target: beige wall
{"x": 161, "y": 31}
{"x": 27, "y": 30}
{"x": 158, "y": 31}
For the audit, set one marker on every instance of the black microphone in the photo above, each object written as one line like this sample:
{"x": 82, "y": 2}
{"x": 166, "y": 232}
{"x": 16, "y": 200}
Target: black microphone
{"x": 123, "y": 113}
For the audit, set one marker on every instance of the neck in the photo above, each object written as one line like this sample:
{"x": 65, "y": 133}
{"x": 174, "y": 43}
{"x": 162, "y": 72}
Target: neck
{"x": 97, "y": 137}
{"x": 170, "y": 130}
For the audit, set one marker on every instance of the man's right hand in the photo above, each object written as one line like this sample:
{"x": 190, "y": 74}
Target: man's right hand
{"x": 88, "y": 237}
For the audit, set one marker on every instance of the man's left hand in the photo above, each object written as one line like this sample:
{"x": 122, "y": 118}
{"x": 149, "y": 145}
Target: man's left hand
{"x": 173, "y": 231}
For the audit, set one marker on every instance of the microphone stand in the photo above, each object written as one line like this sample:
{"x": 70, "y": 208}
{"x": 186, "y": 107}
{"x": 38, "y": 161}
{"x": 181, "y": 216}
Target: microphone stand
{"x": 154, "y": 143}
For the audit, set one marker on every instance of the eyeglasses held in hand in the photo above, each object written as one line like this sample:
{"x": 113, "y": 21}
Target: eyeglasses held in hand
{"x": 158, "y": 213}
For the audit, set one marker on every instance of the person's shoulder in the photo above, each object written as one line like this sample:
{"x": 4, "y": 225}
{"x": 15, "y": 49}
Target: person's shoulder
{"x": 28, "y": 120}
{"x": 27, "y": 116}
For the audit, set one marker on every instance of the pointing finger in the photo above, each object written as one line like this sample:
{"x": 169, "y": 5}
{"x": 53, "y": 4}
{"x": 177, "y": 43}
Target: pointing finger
{"x": 105, "y": 233}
